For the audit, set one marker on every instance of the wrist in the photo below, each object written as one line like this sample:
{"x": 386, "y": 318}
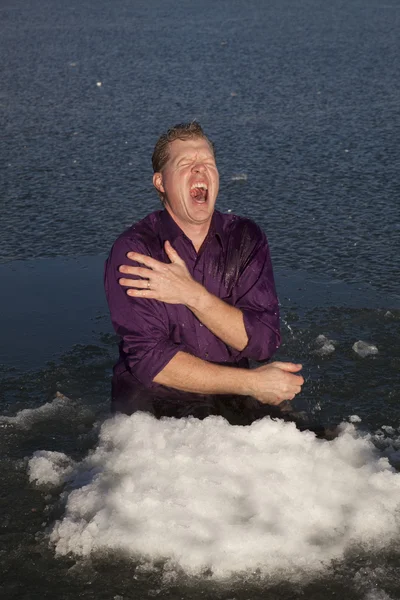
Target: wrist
{"x": 199, "y": 299}
{"x": 238, "y": 381}
{"x": 247, "y": 383}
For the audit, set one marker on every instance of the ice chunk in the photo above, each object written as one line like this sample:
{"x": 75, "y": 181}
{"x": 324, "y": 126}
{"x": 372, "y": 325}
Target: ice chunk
{"x": 377, "y": 595}
{"x": 61, "y": 407}
{"x": 364, "y": 349}
{"x": 388, "y": 429}
{"x": 324, "y": 346}
{"x": 49, "y": 468}
{"x": 354, "y": 419}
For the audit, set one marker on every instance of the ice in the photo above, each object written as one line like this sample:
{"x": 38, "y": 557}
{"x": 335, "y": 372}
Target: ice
{"x": 377, "y": 595}
{"x": 388, "y": 441}
{"x": 354, "y": 419}
{"x": 49, "y": 468}
{"x": 324, "y": 346}
{"x": 206, "y": 495}
{"x": 364, "y": 349}
{"x": 388, "y": 429}
{"x": 61, "y": 407}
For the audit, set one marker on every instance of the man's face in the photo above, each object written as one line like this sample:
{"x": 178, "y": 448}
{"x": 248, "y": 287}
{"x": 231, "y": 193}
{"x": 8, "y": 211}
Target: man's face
{"x": 189, "y": 181}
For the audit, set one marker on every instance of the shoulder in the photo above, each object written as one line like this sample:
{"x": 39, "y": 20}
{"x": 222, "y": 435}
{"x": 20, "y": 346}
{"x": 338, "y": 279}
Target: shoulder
{"x": 237, "y": 225}
{"x": 140, "y": 237}
{"x": 240, "y": 227}
{"x": 142, "y": 232}
{"x": 248, "y": 229}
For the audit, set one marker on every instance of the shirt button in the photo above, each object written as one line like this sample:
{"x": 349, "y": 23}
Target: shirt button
{"x": 201, "y": 324}
{"x": 206, "y": 354}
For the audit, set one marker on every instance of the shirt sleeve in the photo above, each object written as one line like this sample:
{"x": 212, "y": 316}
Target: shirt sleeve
{"x": 255, "y": 295}
{"x": 142, "y": 323}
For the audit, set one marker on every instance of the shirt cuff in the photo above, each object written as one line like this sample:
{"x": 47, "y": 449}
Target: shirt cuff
{"x": 264, "y": 337}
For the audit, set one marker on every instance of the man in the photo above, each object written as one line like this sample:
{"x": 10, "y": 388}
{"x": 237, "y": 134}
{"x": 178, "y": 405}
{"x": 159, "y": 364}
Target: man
{"x": 192, "y": 295}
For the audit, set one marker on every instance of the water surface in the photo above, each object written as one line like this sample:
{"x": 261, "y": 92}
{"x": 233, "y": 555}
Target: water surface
{"x": 301, "y": 99}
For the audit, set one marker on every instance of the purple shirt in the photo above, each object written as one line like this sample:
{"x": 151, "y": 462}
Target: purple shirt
{"x": 233, "y": 263}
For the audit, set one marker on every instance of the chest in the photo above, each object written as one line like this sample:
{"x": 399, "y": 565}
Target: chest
{"x": 219, "y": 274}
{"x": 215, "y": 268}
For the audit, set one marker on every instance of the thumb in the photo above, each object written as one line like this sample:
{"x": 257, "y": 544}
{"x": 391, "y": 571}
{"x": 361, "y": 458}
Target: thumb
{"x": 172, "y": 253}
{"x": 287, "y": 366}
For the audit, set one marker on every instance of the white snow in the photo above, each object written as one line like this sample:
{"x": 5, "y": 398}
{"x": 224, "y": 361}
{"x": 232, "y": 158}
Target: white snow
{"x": 208, "y": 495}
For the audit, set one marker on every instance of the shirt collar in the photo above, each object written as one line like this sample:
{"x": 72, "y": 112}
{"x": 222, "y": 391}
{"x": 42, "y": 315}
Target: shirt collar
{"x": 218, "y": 228}
{"x": 170, "y": 231}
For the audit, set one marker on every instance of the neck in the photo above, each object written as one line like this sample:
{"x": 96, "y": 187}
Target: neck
{"x": 196, "y": 232}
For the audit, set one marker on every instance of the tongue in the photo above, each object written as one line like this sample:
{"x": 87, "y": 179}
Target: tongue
{"x": 198, "y": 194}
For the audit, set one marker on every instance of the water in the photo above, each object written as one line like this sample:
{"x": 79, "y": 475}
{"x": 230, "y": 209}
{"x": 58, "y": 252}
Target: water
{"x": 301, "y": 99}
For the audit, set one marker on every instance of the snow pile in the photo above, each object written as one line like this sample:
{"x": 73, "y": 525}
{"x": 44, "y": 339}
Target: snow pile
{"x": 210, "y": 496}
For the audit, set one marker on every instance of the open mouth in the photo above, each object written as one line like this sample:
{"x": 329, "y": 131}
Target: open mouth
{"x": 199, "y": 192}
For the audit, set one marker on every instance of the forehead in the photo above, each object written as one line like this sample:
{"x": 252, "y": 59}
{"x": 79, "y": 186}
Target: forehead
{"x": 191, "y": 147}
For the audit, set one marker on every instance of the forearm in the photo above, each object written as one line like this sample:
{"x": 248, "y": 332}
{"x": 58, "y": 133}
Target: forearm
{"x": 223, "y": 320}
{"x": 270, "y": 384}
{"x": 191, "y": 374}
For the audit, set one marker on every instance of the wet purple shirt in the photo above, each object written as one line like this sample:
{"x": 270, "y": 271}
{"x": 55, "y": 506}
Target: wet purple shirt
{"x": 233, "y": 263}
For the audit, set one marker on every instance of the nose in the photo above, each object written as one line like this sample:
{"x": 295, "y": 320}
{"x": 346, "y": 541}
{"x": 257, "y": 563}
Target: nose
{"x": 198, "y": 167}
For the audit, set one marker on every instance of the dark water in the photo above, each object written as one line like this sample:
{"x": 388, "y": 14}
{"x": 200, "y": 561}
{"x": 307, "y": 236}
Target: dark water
{"x": 302, "y": 99}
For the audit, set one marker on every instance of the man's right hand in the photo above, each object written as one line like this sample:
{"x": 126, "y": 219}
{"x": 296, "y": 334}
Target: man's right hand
{"x": 275, "y": 382}
{"x": 270, "y": 384}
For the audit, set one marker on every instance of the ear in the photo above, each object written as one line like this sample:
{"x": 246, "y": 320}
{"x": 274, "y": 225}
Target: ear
{"x": 158, "y": 182}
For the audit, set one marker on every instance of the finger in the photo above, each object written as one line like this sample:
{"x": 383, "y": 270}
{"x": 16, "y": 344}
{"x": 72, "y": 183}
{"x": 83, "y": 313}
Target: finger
{"x": 287, "y": 366}
{"x": 141, "y": 271}
{"x": 134, "y": 283}
{"x": 288, "y": 399}
{"x": 296, "y": 380}
{"x": 141, "y": 293}
{"x": 272, "y": 400}
{"x": 172, "y": 253}
{"x": 148, "y": 261}
{"x": 279, "y": 399}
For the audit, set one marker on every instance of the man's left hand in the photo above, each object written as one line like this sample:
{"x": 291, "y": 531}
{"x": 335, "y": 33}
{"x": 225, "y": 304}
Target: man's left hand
{"x": 170, "y": 283}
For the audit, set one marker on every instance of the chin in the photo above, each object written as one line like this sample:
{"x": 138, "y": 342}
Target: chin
{"x": 201, "y": 215}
